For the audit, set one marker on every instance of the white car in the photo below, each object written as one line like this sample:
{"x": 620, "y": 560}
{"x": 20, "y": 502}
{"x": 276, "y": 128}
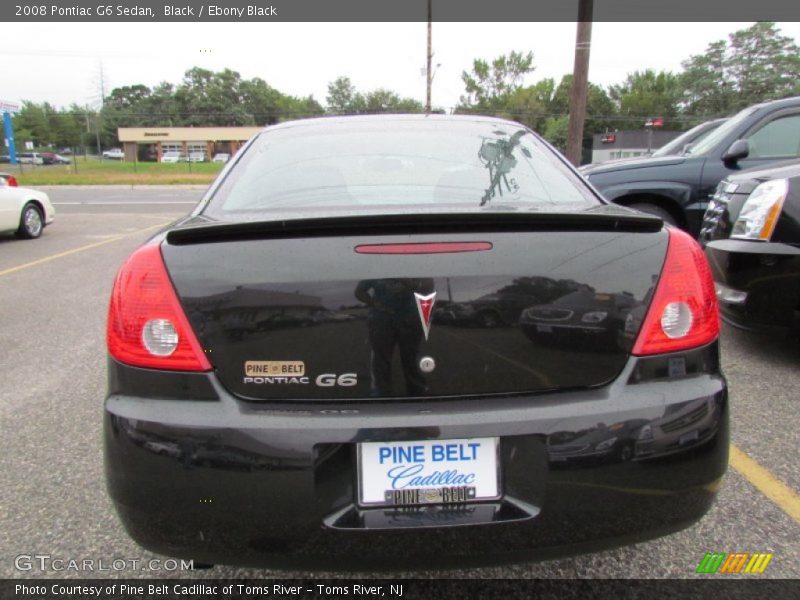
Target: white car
{"x": 221, "y": 157}
{"x": 197, "y": 157}
{"x": 23, "y": 210}
{"x": 171, "y": 157}
{"x": 114, "y": 153}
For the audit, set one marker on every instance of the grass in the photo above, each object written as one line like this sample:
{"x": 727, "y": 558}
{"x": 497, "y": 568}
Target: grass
{"x": 92, "y": 171}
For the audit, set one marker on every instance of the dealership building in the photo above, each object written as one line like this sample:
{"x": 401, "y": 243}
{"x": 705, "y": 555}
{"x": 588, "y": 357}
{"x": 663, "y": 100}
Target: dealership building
{"x": 150, "y": 143}
{"x": 628, "y": 144}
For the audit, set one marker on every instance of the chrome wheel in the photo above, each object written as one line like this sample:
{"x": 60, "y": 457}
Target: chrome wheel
{"x": 32, "y": 223}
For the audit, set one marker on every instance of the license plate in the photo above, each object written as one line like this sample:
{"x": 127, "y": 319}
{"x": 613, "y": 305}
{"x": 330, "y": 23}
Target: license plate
{"x": 428, "y": 472}
{"x": 544, "y": 328}
{"x": 688, "y": 437}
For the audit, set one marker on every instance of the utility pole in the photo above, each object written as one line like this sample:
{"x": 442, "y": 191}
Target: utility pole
{"x": 580, "y": 82}
{"x": 428, "y": 74}
{"x": 102, "y": 86}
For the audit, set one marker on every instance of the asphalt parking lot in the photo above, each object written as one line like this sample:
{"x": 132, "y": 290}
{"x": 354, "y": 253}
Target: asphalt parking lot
{"x": 53, "y": 301}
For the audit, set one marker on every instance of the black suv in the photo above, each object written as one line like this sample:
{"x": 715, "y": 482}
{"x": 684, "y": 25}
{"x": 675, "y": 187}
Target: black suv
{"x": 751, "y": 233}
{"x": 677, "y": 188}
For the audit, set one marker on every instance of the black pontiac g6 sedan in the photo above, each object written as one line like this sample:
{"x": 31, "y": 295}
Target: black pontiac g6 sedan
{"x": 280, "y": 395}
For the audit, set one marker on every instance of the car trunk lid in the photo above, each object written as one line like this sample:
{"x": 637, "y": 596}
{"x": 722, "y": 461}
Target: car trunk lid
{"x": 435, "y": 307}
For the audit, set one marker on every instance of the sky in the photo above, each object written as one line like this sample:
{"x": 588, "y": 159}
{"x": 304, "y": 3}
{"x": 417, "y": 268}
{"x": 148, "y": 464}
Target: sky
{"x": 61, "y": 62}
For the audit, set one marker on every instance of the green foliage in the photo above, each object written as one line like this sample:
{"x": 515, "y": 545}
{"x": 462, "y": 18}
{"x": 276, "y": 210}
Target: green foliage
{"x": 49, "y": 127}
{"x": 344, "y": 98}
{"x": 600, "y": 109}
{"x": 524, "y": 105}
{"x": 647, "y": 94}
{"x": 556, "y": 130}
{"x": 203, "y": 98}
{"x": 490, "y": 85}
{"x": 755, "y": 65}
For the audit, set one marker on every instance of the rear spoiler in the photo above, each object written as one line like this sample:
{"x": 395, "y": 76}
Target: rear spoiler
{"x": 605, "y": 218}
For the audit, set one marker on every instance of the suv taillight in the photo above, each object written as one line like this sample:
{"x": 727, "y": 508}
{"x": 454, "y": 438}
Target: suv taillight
{"x": 146, "y": 323}
{"x": 683, "y": 313}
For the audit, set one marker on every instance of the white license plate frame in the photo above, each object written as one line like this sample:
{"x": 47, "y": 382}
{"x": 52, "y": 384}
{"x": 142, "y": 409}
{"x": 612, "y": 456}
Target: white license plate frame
{"x": 487, "y": 460}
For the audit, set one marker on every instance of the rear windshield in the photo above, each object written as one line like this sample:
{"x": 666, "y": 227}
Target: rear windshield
{"x": 380, "y": 165}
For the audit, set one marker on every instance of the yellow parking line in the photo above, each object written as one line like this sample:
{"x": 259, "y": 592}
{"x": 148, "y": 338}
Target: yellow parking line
{"x": 766, "y": 483}
{"x": 39, "y": 261}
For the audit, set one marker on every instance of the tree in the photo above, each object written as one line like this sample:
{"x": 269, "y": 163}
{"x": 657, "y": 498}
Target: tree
{"x": 32, "y": 124}
{"x": 556, "y": 130}
{"x": 525, "y": 105}
{"x": 763, "y": 64}
{"x": 600, "y": 109}
{"x": 708, "y": 88}
{"x": 490, "y": 84}
{"x": 343, "y": 98}
{"x": 647, "y": 94}
{"x": 383, "y": 100}
{"x": 208, "y": 98}
{"x": 756, "y": 64}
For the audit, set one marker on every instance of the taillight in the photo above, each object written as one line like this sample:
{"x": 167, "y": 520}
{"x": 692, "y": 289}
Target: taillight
{"x": 683, "y": 313}
{"x": 146, "y": 323}
{"x": 11, "y": 180}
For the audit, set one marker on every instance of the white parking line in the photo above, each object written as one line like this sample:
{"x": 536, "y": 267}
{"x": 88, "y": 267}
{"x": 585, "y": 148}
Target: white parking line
{"x": 141, "y": 203}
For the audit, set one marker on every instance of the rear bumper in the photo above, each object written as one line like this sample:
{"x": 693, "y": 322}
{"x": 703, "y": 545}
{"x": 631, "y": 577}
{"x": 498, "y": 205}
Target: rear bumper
{"x": 762, "y": 278}
{"x": 224, "y": 481}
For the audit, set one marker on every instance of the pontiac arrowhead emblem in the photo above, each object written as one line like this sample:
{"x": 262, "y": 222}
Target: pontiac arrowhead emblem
{"x": 425, "y": 308}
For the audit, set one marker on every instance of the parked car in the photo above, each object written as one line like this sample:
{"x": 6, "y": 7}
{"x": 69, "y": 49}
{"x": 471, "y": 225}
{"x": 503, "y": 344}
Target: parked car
{"x": 221, "y": 157}
{"x": 52, "y": 158}
{"x": 683, "y": 426}
{"x": 23, "y": 210}
{"x": 601, "y": 443}
{"x": 394, "y": 430}
{"x": 197, "y": 157}
{"x": 172, "y": 157}
{"x": 675, "y": 147}
{"x": 114, "y": 154}
{"x": 584, "y": 318}
{"x": 683, "y": 142}
{"x": 30, "y": 158}
{"x": 8, "y": 179}
{"x": 677, "y": 188}
{"x": 751, "y": 233}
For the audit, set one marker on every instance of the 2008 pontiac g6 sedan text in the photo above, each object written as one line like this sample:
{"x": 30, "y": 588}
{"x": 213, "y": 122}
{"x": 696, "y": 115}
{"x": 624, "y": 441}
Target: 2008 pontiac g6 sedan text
{"x": 410, "y": 340}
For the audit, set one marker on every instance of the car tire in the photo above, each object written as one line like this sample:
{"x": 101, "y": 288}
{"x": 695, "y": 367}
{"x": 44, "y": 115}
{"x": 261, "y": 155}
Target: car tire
{"x": 658, "y": 211}
{"x": 31, "y": 222}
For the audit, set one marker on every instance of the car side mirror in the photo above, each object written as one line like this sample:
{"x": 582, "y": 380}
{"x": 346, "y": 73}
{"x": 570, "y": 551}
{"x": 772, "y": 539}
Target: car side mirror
{"x": 737, "y": 150}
